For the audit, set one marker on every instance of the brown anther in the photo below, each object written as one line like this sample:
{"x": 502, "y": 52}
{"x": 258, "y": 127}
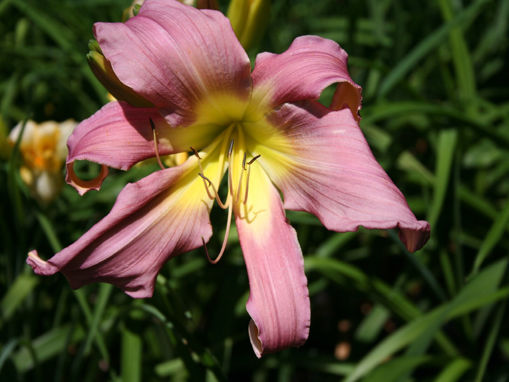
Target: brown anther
{"x": 230, "y": 149}
{"x": 244, "y": 162}
{"x": 152, "y": 124}
{"x": 253, "y": 160}
{"x": 205, "y": 178}
{"x": 195, "y": 152}
{"x": 248, "y": 175}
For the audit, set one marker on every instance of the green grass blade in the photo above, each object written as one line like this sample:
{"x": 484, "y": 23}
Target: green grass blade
{"x": 396, "y": 368}
{"x": 372, "y": 325}
{"x": 474, "y": 295}
{"x": 445, "y": 154}
{"x": 454, "y": 370}
{"x": 465, "y": 78}
{"x": 6, "y": 351}
{"x": 57, "y": 31}
{"x": 494, "y": 235}
{"x": 424, "y": 271}
{"x": 52, "y": 237}
{"x": 47, "y": 346}
{"x": 447, "y": 271}
{"x": 427, "y": 45}
{"x": 334, "y": 243}
{"x": 102, "y": 299}
{"x": 22, "y": 287}
{"x": 131, "y": 356}
{"x": 490, "y": 343}
{"x": 347, "y": 274}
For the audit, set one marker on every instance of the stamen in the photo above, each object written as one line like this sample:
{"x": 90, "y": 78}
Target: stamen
{"x": 155, "y": 144}
{"x": 208, "y": 183}
{"x": 238, "y": 186}
{"x": 253, "y": 160}
{"x": 230, "y": 181}
{"x": 244, "y": 161}
{"x": 248, "y": 175}
{"x": 247, "y": 184}
{"x": 225, "y": 239}
{"x": 230, "y": 149}
{"x": 195, "y": 152}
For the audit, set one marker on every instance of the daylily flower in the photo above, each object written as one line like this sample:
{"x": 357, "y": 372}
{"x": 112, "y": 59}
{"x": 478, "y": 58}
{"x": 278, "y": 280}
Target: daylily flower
{"x": 43, "y": 152}
{"x": 263, "y": 131}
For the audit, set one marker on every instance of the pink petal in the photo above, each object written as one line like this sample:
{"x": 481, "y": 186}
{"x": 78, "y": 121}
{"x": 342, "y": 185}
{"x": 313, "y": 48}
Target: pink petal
{"x": 120, "y": 135}
{"x": 175, "y": 55}
{"x": 279, "y": 301}
{"x": 309, "y": 65}
{"x": 148, "y": 224}
{"x": 331, "y": 173}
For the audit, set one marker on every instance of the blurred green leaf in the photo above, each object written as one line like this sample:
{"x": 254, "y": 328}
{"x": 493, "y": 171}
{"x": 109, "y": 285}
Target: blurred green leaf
{"x": 47, "y": 346}
{"x": 445, "y": 154}
{"x": 394, "y": 369}
{"x": 131, "y": 356}
{"x": 454, "y": 370}
{"x": 473, "y": 296}
{"x": 22, "y": 287}
{"x": 493, "y": 236}
{"x": 427, "y": 45}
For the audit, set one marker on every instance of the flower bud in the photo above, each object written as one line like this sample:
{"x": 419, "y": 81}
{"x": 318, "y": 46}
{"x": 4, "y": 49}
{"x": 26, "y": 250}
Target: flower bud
{"x": 249, "y": 19}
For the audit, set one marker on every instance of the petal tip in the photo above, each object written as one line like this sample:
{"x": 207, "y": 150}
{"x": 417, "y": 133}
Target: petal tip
{"x": 83, "y": 186}
{"x": 254, "y": 337}
{"x": 40, "y": 266}
{"x": 415, "y": 238}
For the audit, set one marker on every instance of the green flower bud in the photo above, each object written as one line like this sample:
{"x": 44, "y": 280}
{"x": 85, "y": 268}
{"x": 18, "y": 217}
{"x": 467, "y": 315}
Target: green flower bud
{"x": 249, "y": 19}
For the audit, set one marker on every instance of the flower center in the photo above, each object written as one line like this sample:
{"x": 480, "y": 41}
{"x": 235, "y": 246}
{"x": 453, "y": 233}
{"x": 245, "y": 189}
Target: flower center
{"x": 238, "y": 162}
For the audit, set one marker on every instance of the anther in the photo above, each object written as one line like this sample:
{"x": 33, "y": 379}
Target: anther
{"x": 253, "y": 160}
{"x": 156, "y": 149}
{"x": 248, "y": 175}
{"x": 208, "y": 183}
{"x": 195, "y": 152}
{"x": 244, "y": 162}
{"x": 230, "y": 149}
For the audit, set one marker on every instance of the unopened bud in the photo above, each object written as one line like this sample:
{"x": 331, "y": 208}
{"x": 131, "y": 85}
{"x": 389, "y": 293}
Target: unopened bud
{"x": 249, "y": 19}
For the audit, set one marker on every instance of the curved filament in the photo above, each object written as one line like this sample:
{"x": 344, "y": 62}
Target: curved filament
{"x": 155, "y": 144}
{"x": 225, "y": 239}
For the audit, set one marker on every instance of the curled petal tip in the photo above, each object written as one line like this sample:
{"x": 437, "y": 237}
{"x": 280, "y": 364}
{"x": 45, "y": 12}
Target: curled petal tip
{"x": 415, "y": 238}
{"x": 255, "y": 339}
{"x": 83, "y": 186}
{"x": 40, "y": 266}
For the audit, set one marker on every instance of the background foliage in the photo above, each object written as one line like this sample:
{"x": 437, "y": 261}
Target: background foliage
{"x": 436, "y": 114}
